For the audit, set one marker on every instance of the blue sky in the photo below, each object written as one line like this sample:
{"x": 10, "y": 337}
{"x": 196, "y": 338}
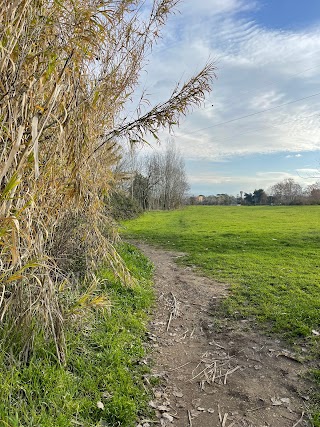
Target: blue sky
{"x": 287, "y": 14}
{"x": 267, "y": 54}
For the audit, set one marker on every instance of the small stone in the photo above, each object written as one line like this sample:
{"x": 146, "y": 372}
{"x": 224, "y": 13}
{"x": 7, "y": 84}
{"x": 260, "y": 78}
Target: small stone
{"x": 196, "y": 402}
{"x": 275, "y": 401}
{"x": 157, "y": 394}
{"x": 210, "y": 410}
{"x": 180, "y": 405}
{"x": 152, "y": 404}
{"x": 168, "y": 417}
{"x": 163, "y": 408}
{"x": 177, "y": 393}
{"x": 200, "y": 408}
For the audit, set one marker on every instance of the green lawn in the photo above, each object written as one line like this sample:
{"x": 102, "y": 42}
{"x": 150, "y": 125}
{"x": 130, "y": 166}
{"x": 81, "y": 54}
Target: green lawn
{"x": 270, "y": 256}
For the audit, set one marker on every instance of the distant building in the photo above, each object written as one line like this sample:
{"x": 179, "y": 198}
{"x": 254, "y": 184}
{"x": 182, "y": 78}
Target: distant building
{"x": 200, "y": 198}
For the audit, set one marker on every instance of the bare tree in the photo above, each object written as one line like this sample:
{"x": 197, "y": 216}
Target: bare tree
{"x": 161, "y": 182}
{"x": 313, "y": 193}
{"x": 287, "y": 192}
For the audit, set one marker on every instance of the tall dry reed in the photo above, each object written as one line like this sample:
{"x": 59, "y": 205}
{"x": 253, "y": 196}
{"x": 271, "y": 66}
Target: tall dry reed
{"x": 67, "y": 69}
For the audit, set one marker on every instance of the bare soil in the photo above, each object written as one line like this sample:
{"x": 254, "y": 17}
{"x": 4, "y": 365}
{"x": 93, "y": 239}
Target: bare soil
{"x": 214, "y": 371}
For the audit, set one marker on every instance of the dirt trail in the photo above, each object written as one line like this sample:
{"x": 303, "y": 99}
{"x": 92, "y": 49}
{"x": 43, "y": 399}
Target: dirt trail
{"x": 216, "y": 372}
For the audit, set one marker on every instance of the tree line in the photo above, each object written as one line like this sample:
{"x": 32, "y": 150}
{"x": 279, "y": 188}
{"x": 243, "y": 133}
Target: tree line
{"x": 285, "y": 192}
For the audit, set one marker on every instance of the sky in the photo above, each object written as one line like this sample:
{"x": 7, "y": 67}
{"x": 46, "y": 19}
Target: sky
{"x": 260, "y": 124}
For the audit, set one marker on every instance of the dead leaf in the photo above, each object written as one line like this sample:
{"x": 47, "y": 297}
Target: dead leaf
{"x": 275, "y": 401}
{"x": 177, "y": 393}
{"x": 167, "y": 417}
{"x": 100, "y": 405}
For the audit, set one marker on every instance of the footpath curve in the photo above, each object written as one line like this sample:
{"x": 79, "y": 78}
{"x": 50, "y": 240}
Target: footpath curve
{"x": 214, "y": 371}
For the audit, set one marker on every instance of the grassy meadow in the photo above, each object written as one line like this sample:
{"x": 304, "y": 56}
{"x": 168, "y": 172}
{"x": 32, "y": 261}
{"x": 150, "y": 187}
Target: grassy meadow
{"x": 269, "y": 255}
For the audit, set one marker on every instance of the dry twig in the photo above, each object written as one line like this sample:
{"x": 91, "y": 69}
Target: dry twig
{"x": 173, "y": 312}
{"x": 181, "y": 366}
{"x": 231, "y": 371}
{"x": 299, "y": 420}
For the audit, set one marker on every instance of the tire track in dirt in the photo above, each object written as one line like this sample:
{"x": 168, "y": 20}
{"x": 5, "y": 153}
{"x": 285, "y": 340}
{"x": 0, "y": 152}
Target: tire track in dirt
{"x": 216, "y": 372}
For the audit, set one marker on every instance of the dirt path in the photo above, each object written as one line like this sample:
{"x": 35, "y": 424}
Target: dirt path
{"x": 216, "y": 372}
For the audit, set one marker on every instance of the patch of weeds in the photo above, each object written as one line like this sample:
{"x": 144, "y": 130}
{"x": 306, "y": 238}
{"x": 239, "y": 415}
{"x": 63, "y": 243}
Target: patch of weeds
{"x": 155, "y": 381}
{"x": 102, "y": 364}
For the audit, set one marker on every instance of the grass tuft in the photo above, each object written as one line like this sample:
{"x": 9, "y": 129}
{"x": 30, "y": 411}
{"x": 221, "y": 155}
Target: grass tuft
{"x": 102, "y": 364}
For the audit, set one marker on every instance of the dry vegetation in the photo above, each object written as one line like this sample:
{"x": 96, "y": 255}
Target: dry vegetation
{"x": 67, "y": 69}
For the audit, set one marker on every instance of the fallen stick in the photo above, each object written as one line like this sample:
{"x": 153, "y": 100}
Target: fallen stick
{"x": 181, "y": 366}
{"x": 169, "y": 321}
{"x": 214, "y": 373}
{"x": 173, "y": 311}
{"x": 203, "y": 370}
{"x": 225, "y": 417}
{"x": 257, "y": 408}
{"x": 189, "y": 418}
{"x": 183, "y": 336}
{"x": 218, "y": 345}
{"x": 299, "y": 420}
{"x": 289, "y": 356}
{"x": 230, "y": 372}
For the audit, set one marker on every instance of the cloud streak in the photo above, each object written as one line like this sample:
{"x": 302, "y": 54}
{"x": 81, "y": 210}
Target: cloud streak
{"x": 258, "y": 68}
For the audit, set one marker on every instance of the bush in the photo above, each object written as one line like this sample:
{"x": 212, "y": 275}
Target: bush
{"x": 121, "y": 206}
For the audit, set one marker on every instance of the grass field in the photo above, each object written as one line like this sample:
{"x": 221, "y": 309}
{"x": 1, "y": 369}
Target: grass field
{"x": 270, "y": 256}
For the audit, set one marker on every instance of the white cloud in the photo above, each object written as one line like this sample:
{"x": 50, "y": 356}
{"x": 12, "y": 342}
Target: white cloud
{"x": 290, "y": 156}
{"x": 266, "y": 100}
{"x": 309, "y": 172}
{"x": 258, "y": 68}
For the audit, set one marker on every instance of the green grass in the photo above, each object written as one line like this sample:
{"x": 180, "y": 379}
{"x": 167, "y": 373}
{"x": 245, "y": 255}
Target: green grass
{"x": 102, "y": 365}
{"x": 270, "y": 256}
